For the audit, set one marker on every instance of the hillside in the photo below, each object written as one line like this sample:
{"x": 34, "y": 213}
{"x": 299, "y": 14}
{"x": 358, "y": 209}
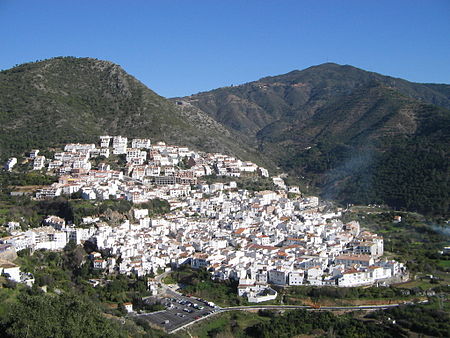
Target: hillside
{"x": 68, "y": 99}
{"x": 360, "y": 136}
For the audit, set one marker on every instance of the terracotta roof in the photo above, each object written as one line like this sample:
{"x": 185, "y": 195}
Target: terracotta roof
{"x": 354, "y": 257}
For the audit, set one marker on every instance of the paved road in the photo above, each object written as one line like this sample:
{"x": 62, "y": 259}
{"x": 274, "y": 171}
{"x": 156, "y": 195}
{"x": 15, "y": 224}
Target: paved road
{"x": 286, "y": 307}
{"x": 177, "y": 317}
{"x": 165, "y": 288}
{"x": 329, "y": 308}
{"x": 174, "y": 319}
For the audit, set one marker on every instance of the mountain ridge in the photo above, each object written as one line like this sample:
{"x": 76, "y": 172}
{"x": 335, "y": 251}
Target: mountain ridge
{"x": 339, "y": 128}
{"x": 437, "y": 94}
{"x": 67, "y": 99}
{"x": 312, "y": 122}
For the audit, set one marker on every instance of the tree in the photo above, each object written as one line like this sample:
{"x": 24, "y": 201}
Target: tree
{"x": 43, "y": 315}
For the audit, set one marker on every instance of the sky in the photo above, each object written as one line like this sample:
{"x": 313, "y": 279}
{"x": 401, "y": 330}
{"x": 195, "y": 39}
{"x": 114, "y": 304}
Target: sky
{"x": 181, "y": 47}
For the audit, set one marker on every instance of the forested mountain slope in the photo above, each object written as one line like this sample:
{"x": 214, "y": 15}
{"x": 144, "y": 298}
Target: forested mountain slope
{"x": 361, "y": 136}
{"x": 68, "y": 99}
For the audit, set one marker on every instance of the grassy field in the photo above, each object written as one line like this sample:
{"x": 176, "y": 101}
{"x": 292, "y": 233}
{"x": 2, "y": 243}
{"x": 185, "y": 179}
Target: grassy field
{"x": 443, "y": 263}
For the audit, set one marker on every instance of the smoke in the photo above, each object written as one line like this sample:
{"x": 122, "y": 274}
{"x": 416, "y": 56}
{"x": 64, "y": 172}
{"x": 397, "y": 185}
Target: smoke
{"x": 352, "y": 180}
{"x": 443, "y": 230}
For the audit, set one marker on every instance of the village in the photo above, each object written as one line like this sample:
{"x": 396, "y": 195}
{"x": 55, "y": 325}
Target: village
{"x": 257, "y": 238}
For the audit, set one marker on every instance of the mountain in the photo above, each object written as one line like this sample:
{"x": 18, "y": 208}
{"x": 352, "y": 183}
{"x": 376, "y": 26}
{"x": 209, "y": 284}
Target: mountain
{"x": 67, "y": 99}
{"x": 360, "y": 136}
{"x": 299, "y": 94}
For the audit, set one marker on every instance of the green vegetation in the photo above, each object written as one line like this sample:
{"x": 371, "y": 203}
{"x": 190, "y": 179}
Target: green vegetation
{"x": 321, "y": 323}
{"x": 419, "y": 319}
{"x": 10, "y": 179}
{"x": 75, "y": 210}
{"x": 70, "y": 269}
{"x": 13, "y": 207}
{"x": 67, "y": 99}
{"x": 313, "y": 295}
{"x": 256, "y": 184}
{"x": 155, "y": 207}
{"x": 251, "y": 183}
{"x": 293, "y": 323}
{"x": 198, "y": 282}
{"x": 116, "y": 162}
{"x": 31, "y": 212}
{"x": 414, "y": 240}
{"x": 65, "y": 315}
{"x": 410, "y": 172}
{"x": 359, "y": 136}
{"x": 406, "y": 172}
{"x": 228, "y": 324}
{"x": 71, "y": 304}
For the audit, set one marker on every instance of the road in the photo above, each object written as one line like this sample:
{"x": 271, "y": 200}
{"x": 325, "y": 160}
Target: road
{"x": 177, "y": 318}
{"x": 285, "y": 307}
{"x": 165, "y": 288}
{"x": 181, "y": 311}
{"x": 327, "y": 308}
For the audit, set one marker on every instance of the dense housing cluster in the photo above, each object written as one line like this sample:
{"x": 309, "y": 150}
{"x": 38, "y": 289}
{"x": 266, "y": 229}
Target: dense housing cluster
{"x": 260, "y": 238}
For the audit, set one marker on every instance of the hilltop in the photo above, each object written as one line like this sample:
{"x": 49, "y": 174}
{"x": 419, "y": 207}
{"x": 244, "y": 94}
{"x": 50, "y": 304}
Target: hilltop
{"x": 67, "y": 99}
{"x": 360, "y": 136}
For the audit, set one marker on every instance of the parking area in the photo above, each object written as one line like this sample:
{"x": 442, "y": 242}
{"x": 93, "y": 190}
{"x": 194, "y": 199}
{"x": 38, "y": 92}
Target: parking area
{"x": 179, "y": 311}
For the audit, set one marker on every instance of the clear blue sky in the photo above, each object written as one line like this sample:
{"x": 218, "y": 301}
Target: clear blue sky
{"x": 180, "y": 47}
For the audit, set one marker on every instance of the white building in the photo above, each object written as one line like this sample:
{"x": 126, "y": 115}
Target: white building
{"x": 278, "y": 277}
{"x": 47, "y": 238}
{"x": 141, "y": 143}
{"x": 128, "y": 307}
{"x": 350, "y": 260}
{"x": 10, "y": 269}
{"x": 120, "y": 145}
{"x": 39, "y": 162}
{"x": 32, "y": 154}
{"x": 295, "y": 278}
{"x": 10, "y": 163}
{"x": 105, "y": 141}
{"x": 136, "y": 154}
